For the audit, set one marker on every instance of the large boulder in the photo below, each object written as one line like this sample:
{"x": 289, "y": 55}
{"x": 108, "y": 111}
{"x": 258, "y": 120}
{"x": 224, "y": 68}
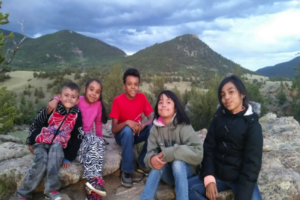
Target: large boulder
{"x": 16, "y": 160}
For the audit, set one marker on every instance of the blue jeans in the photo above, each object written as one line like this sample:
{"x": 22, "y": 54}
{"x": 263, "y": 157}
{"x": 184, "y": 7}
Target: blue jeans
{"x": 126, "y": 139}
{"x": 197, "y": 188}
{"x": 174, "y": 173}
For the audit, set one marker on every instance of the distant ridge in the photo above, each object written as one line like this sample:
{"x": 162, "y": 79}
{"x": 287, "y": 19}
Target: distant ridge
{"x": 281, "y": 69}
{"x": 64, "y": 47}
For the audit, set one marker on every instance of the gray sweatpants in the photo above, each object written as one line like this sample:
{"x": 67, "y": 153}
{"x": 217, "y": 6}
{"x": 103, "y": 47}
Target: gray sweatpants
{"x": 47, "y": 158}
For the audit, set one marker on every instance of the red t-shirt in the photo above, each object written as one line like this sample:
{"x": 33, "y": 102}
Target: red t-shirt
{"x": 124, "y": 109}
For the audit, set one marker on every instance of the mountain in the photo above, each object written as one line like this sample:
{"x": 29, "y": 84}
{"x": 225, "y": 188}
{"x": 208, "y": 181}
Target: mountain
{"x": 64, "y": 47}
{"x": 186, "y": 53}
{"x": 281, "y": 69}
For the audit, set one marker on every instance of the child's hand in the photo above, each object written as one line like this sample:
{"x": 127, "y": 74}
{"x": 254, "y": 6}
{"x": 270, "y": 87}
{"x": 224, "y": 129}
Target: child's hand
{"x": 51, "y": 105}
{"x": 66, "y": 165}
{"x": 30, "y": 149}
{"x": 156, "y": 161}
{"x": 211, "y": 191}
{"x": 134, "y": 126}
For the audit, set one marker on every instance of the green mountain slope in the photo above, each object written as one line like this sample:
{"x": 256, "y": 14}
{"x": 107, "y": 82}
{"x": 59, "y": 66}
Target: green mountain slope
{"x": 186, "y": 53}
{"x": 64, "y": 47}
{"x": 281, "y": 69}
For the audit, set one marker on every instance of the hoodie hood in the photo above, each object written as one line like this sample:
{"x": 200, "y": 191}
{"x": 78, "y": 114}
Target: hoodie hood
{"x": 159, "y": 123}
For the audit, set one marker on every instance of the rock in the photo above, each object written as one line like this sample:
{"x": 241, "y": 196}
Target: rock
{"x": 279, "y": 177}
{"x": 17, "y": 160}
{"x": 112, "y": 158}
{"x": 280, "y": 174}
{"x": 106, "y": 130}
{"x": 12, "y": 150}
{"x": 9, "y": 138}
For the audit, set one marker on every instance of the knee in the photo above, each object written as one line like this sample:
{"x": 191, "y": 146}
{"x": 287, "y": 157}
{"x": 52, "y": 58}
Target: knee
{"x": 178, "y": 166}
{"x": 127, "y": 132}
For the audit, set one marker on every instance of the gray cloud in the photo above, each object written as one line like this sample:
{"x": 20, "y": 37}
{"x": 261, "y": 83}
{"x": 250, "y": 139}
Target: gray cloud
{"x": 132, "y": 25}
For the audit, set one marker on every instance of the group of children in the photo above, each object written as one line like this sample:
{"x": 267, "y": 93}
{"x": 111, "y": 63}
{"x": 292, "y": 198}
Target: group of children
{"x": 71, "y": 128}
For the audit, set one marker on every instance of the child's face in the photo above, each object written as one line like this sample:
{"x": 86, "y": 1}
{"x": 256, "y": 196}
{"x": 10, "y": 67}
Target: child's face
{"x": 131, "y": 86}
{"x": 69, "y": 98}
{"x": 232, "y": 100}
{"x": 166, "y": 107}
{"x": 92, "y": 92}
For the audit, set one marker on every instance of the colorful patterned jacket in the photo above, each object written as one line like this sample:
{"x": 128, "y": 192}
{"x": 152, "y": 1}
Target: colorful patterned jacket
{"x": 44, "y": 129}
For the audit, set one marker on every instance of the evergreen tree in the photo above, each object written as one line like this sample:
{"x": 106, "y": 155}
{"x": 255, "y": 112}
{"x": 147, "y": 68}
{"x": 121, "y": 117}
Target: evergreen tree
{"x": 157, "y": 85}
{"x": 112, "y": 86}
{"x": 8, "y": 110}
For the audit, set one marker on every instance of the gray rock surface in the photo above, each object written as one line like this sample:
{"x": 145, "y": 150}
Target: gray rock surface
{"x": 279, "y": 177}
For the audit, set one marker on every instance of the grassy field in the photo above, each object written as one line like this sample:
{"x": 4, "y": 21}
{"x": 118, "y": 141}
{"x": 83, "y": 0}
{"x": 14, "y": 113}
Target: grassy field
{"x": 21, "y": 79}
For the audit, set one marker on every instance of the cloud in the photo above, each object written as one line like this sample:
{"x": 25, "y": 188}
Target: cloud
{"x": 248, "y": 32}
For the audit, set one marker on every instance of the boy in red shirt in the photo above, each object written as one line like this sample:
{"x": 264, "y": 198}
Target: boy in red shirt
{"x": 127, "y": 125}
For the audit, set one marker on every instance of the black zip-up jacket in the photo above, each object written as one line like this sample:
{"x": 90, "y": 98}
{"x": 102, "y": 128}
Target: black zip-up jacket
{"x": 233, "y": 150}
{"x": 44, "y": 129}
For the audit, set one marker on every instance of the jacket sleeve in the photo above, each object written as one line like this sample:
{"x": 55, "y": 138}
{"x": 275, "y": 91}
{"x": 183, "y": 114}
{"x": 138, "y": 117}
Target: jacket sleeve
{"x": 252, "y": 159}
{"x": 190, "y": 151}
{"x": 75, "y": 140}
{"x": 152, "y": 147}
{"x": 40, "y": 121}
{"x": 209, "y": 145}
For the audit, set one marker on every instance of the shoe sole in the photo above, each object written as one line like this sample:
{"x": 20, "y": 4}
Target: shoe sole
{"x": 126, "y": 185}
{"x": 141, "y": 171}
{"x": 101, "y": 193}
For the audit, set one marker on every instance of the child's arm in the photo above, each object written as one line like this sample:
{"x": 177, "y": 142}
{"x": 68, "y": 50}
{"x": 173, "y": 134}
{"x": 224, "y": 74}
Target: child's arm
{"x": 38, "y": 123}
{"x": 153, "y": 159}
{"x": 52, "y": 104}
{"x": 116, "y": 128}
{"x": 252, "y": 160}
{"x": 98, "y": 121}
{"x": 190, "y": 151}
{"x": 75, "y": 140}
{"x": 149, "y": 120}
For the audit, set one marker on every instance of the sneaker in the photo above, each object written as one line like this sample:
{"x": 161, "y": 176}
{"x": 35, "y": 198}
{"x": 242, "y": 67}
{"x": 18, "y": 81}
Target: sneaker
{"x": 90, "y": 195}
{"x": 143, "y": 170}
{"x": 126, "y": 179}
{"x": 96, "y": 184}
{"x": 54, "y": 195}
{"x": 21, "y": 197}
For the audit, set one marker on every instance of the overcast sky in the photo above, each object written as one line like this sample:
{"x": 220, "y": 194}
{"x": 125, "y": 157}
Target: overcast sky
{"x": 252, "y": 33}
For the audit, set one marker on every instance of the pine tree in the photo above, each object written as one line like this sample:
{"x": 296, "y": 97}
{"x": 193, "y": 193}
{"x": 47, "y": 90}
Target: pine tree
{"x": 112, "y": 86}
{"x": 7, "y": 110}
{"x": 157, "y": 85}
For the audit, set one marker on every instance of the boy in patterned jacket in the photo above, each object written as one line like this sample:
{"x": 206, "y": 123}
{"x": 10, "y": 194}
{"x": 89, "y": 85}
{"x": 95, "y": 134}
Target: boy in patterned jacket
{"x": 54, "y": 139}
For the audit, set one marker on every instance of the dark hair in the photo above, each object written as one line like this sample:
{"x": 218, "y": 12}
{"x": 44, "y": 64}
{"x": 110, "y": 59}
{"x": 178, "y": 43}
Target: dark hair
{"x": 181, "y": 116}
{"x": 131, "y": 72}
{"x": 70, "y": 85}
{"x": 104, "y": 117}
{"x": 239, "y": 86}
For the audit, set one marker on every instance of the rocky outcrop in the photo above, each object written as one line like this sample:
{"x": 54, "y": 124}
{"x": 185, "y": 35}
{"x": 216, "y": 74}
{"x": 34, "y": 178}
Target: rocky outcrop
{"x": 279, "y": 177}
{"x": 280, "y": 174}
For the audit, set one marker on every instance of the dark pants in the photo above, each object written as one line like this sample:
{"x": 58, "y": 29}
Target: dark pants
{"x": 197, "y": 188}
{"x": 126, "y": 139}
{"x": 47, "y": 158}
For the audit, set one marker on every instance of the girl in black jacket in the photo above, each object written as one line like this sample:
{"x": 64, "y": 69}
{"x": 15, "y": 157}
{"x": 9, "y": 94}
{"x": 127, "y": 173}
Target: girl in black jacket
{"x": 232, "y": 148}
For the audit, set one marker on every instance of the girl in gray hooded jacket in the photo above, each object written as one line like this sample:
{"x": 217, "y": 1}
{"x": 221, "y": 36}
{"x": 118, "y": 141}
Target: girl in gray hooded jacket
{"x": 174, "y": 150}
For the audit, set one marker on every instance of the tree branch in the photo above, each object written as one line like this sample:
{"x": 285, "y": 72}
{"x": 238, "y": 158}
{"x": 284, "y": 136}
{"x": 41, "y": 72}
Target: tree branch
{"x": 14, "y": 51}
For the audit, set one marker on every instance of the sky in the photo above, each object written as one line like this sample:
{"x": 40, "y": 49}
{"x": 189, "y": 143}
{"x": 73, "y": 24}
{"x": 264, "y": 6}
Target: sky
{"x": 252, "y": 33}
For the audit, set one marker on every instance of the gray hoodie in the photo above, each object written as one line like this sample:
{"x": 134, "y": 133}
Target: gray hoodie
{"x": 177, "y": 142}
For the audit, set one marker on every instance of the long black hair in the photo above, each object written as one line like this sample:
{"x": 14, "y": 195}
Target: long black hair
{"x": 104, "y": 117}
{"x": 238, "y": 83}
{"x": 181, "y": 116}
